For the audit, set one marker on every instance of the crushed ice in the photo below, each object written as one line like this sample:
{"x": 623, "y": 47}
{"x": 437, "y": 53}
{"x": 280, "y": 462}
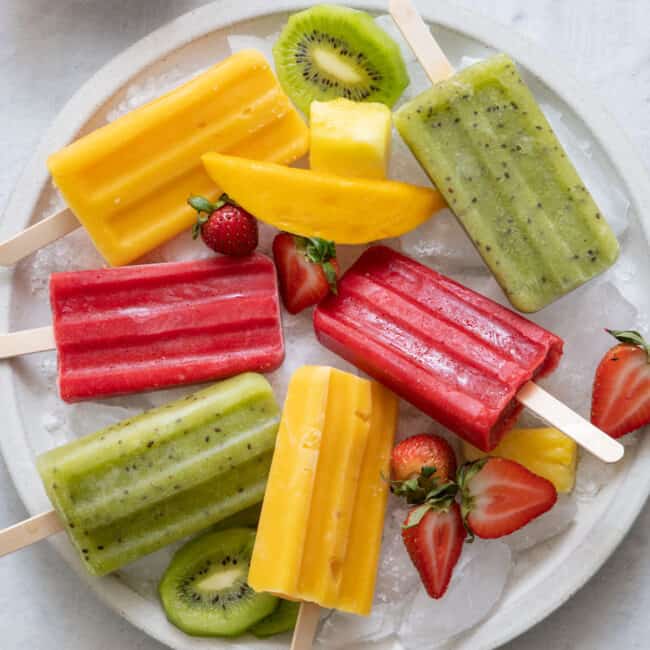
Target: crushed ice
{"x": 402, "y": 609}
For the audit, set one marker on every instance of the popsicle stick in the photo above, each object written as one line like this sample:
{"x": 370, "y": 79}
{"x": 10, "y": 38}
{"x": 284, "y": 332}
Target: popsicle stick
{"x": 29, "y": 532}
{"x": 573, "y": 425}
{"x": 305, "y": 631}
{"x": 419, "y": 37}
{"x": 37, "y": 236}
{"x": 26, "y": 342}
{"x": 550, "y": 409}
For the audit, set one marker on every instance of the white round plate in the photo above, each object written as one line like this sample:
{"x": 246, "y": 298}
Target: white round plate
{"x": 553, "y": 571}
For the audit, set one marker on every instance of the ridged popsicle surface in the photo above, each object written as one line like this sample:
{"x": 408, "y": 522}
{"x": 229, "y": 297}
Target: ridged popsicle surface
{"x": 148, "y": 481}
{"x": 456, "y": 355}
{"x": 140, "y": 328}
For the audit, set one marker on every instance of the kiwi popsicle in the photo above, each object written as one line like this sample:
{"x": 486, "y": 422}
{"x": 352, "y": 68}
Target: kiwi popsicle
{"x": 136, "y": 486}
{"x": 485, "y": 143}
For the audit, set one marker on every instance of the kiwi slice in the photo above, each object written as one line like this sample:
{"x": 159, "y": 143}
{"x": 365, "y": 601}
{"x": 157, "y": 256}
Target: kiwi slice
{"x": 328, "y": 51}
{"x": 282, "y": 619}
{"x": 204, "y": 590}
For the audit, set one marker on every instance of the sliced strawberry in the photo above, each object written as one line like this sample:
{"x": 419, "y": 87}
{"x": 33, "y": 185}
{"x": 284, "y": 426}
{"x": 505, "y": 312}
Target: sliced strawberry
{"x": 501, "y": 496}
{"x": 434, "y": 541}
{"x": 621, "y": 394}
{"x": 307, "y": 270}
{"x": 423, "y": 450}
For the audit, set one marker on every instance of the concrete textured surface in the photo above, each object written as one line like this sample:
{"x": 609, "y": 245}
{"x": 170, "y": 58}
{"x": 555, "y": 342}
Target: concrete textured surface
{"x": 48, "y": 49}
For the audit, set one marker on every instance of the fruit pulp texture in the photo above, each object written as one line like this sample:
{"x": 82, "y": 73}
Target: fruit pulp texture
{"x": 453, "y": 353}
{"x": 146, "y": 327}
{"x": 546, "y": 452}
{"x": 136, "y": 486}
{"x": 350, "y": 138}
{"x": 320, "y": 531}
{"x": 128, "y": 182}
{"x": 485, "y": 143}
{"x": 314, "y": 204}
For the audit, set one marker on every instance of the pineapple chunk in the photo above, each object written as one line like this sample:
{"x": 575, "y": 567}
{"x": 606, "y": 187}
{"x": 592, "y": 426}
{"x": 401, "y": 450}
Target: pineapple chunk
{"x": 350, "y": 138}
{"x": 546, "y": 452}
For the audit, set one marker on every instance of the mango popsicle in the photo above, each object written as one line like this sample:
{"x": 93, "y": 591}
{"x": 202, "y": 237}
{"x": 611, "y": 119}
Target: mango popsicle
{"x": 128, "y": 181}
{"x": 320, "y": 530}
{"x": 146, "y": 482}
{"x": 483, "y": 140}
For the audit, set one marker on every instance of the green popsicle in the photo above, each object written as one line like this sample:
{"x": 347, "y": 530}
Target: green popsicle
{"x": 146, "y": 482}
{"x": 485, "y": 143}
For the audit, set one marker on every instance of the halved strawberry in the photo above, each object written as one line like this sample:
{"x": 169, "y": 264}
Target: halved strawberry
{"x": 307, "y": 270}
{"x": 501, "y": 496}
{"x": 423, "y": 450}
{"x": 620, "y": 400}
{"x": 434, "y": 541}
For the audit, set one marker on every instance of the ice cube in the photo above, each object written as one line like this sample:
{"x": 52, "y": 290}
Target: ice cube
{"x": 550, "y": 524}
{"x": 403, "y": 165}
{"x": 181, "y": 248}
{"x": 593, "y": 475}
{"x": 87, "y": 417}
{"x": 595, "y": 305}
{"x": 339, "y": 630}
{"x": 442, "y": 244}
{"x": 396, "y": 574}
{"x": 476, "y": 586}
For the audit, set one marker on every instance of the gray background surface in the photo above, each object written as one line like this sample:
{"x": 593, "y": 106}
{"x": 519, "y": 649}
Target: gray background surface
{"x": 49, "y": 48}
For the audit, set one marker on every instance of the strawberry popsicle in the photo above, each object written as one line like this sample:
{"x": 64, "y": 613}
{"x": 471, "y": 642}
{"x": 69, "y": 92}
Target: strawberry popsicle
{"x": 456, "y": 355}
{"x": 146, "y": 327}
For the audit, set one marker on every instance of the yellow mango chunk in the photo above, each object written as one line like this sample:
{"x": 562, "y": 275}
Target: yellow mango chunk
{"x": 546, "y": 452}
{"x": 350, "y": 138}
{"x": 313, "y": 204}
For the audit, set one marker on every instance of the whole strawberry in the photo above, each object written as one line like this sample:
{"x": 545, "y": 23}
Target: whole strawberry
{"x": 620, "y": 400}
{"x": 411, "y": 455}
{"x": 225, "y": 227}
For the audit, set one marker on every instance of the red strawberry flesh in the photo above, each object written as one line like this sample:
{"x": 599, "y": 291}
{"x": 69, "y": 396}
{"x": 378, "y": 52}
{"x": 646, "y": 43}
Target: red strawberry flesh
{"x": 434, "y": 545}
{"x": 504, "y": 496}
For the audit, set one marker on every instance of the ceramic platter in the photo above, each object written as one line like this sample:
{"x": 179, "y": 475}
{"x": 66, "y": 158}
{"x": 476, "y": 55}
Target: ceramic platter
{"x": 547, "y": 575}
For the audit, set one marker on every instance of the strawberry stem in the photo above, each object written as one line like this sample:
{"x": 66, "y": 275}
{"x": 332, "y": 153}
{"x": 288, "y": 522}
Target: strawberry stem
{"x": 464, "y": 476}
{"x": 631, "y": 337}
{"x": 320, "y": 251}
{"x": 204, "y": 208}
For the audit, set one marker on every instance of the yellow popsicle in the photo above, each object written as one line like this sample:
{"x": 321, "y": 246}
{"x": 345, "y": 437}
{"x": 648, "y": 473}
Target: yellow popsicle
{"x": 545, "y": 451}
{"x": 320, "y": 530}
{"x": 128, "y": 182}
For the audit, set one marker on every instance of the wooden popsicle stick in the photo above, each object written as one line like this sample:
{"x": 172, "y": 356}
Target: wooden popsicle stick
{"x": 420, "y": 38}
{"x": 29, "y": 532}
{"x": 569, "y": 422}
{"x": 37, "y": 236}
{"x": 550, "y": 409}
{"x": 26, "y": 342}
{"x": 305, "y": 630}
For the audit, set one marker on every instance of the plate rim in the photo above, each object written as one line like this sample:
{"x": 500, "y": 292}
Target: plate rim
{"x": 133, "y": 61}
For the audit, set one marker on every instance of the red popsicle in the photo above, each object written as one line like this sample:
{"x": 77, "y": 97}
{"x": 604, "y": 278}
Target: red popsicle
{"x": 130, "y": 329}
{"x": 455, "y": 354}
